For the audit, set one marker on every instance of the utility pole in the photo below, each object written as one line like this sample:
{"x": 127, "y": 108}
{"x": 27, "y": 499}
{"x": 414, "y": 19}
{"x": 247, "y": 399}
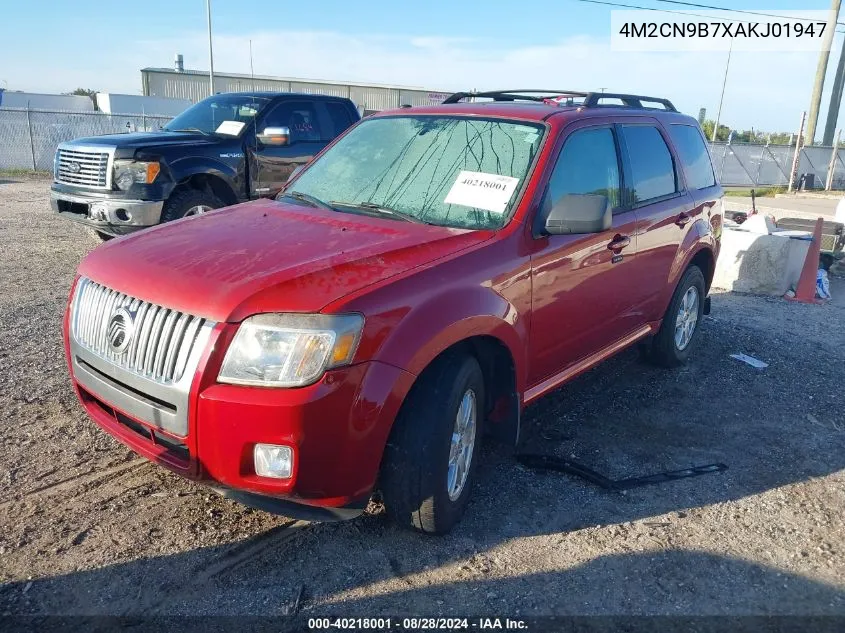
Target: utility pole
{"x": 835, "y": 98}
{"x": 821, "y": 71}
{"x": 828, "y": 185}
{"x": 210, "y": 51}
{"x": 794, "y": 170}
{"x": 722, "y": 98}
{"x": 251, "y": 69}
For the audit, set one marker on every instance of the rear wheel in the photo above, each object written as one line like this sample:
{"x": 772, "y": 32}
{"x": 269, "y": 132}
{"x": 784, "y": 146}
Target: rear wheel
{"x": 430, "y": 459}
{"x": 186, "y": 202}
{"x": 674, "y": 342}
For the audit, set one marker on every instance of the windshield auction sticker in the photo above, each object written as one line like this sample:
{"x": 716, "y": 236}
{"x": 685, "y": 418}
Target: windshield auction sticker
{"x": 490, "y": 192}
{"x": 231, "y": 128}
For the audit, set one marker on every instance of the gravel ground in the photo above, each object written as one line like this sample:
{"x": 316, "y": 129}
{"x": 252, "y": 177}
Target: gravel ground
{"x": 86, "y": 527}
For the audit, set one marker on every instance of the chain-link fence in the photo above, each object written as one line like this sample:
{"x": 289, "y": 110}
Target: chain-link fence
{"x": 739, "y": 165}
{"x": 28, "y": 138}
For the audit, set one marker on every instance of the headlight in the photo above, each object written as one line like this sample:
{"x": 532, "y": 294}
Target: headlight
{"x": 128, "y": 172}
{"x": 290, "y": 350}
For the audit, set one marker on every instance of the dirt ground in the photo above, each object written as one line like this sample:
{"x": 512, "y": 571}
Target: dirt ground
{"x": 86, "y": 527}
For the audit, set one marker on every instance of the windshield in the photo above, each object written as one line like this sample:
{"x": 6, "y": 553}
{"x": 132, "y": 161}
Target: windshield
{"x": 450, "y": 171}
{"x": 221, "y": 114}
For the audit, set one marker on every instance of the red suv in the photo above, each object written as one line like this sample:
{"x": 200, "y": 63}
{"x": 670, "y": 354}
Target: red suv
{"x": 427, "y": 276}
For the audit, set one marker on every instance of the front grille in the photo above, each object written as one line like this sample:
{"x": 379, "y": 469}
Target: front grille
{"x": 82, "y": 168}
{"x": 161, "y": 340}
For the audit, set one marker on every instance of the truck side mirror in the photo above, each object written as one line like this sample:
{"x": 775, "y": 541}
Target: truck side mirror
{"x": 274, "y": 136}
{"x": 579, "y": 213}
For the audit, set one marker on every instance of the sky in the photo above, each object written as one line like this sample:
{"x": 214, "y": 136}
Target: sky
{"x": 59, "y": 45}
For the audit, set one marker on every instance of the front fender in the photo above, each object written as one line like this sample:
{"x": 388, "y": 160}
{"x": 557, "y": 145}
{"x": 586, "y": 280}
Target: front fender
{"x": 447, "y": 318}
{"x": 183, "y": 168}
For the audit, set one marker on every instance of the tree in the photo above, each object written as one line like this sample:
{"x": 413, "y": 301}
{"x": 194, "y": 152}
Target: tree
{"x": 721, "y": 135}
{"x": 85, "y": 92}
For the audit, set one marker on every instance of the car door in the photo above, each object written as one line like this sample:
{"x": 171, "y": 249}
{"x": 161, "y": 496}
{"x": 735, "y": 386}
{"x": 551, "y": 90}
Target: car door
{"x": 581, "y": 289}
{"x": 271, "y": 165}
{"x": 664, "y": 208}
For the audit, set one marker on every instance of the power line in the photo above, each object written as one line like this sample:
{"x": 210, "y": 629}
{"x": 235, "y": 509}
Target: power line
{"x": 768, "y": 15}
{"x": 685, "y": 13}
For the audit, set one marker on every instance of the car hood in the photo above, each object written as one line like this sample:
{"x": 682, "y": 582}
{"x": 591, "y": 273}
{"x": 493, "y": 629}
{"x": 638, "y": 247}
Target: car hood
{"x": 266, "y": 256}
{"x": 145, "y": 140}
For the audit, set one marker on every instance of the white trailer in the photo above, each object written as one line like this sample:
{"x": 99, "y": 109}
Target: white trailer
{"x": 111, "y": 103}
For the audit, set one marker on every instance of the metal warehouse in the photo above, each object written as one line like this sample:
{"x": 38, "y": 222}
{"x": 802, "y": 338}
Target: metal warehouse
{"x": 193, "y": 85}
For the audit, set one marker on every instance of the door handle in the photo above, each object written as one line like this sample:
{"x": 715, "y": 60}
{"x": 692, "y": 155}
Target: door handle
{"x": 682, "y": 220}
{"x": 619, "y": 242}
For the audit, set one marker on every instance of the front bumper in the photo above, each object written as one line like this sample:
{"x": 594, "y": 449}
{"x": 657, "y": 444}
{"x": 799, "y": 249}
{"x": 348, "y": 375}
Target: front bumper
{"x": 337, "y": 427}
{"x": 115, "y": 216}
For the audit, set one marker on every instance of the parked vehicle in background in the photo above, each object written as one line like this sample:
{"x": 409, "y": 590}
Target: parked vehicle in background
{"x": 424, "y": 279}
{"x": 225, "y": 149}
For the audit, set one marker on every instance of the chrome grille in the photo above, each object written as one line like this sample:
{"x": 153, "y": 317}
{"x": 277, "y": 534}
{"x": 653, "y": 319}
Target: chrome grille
{"x": 162, "y": 339}
{"x": 84, "y": 168}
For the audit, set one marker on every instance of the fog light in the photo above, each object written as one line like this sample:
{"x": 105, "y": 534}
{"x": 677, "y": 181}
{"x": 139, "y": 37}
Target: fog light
{"x": 273, "y": 461}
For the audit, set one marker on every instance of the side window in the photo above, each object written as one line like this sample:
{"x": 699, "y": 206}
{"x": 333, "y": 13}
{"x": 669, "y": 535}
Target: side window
{"x": 299, "y": 116}
{"x": 693, "y": 155}
{"x": 587, "y": 165}
{"x": 652, "y": 168}
{"x": 340, "y": 117}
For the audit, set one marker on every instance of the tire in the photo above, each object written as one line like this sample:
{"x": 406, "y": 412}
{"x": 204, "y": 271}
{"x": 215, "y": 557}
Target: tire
{"x": 103, "y": 237}
{"x": 415, "y": 471}
{"x": 184, "y": 200}
{"x": 665, "y": 349}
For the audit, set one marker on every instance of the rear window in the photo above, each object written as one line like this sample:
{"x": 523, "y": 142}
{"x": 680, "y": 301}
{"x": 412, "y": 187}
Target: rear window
{"x": 693, "y": 155}
{"x": 652, "y": 169}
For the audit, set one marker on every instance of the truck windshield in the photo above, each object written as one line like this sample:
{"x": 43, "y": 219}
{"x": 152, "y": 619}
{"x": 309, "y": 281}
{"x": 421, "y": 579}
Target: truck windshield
{"x": 445, "y": 170}
{"x": 210, "y": 114}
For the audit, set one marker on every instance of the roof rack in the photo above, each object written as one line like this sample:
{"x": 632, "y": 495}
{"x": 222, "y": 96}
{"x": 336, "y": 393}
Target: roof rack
{"x": 525, "y": 94}
{"x": 591, "y": 99}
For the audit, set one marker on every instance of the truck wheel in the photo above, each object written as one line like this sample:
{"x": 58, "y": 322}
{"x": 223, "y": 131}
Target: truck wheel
{"x": 186, "y": 202}
{"x": 430, "y": 458}
{"x": 674, "y": 342}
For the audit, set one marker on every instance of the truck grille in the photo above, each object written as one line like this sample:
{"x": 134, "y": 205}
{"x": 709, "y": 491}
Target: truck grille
{"x": 160, "y": 340}
{"x": 82, "y": 168}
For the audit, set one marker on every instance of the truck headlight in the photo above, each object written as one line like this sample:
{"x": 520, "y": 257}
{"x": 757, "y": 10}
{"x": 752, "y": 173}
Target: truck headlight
{"x": 290, "y": 350}
{"x": 128, "y": 172}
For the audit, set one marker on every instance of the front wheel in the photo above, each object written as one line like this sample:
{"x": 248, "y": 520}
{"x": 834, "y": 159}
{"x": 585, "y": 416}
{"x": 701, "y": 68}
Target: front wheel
{"x": 674, "y": 342}
{"x": 430, "y": 459}
{"x": 185, "y": 202}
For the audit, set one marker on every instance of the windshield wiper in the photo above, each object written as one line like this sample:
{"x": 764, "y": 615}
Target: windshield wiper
{"x": 371, "y": 206}
{"x": 309, "y": 199}
{"x": 189, "y": 129}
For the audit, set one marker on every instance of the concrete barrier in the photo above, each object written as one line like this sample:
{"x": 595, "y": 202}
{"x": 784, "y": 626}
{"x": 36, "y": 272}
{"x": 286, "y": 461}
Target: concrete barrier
{"x": 758, "y": 263}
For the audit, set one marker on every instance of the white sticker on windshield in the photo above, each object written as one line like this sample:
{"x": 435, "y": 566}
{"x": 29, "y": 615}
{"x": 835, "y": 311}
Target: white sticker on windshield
{"x": 232, "y": 128}
{"x": 490, "y": 192}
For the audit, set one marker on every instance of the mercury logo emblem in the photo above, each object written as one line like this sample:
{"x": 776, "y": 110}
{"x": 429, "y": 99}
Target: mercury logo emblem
{"x": 120, "y": 330}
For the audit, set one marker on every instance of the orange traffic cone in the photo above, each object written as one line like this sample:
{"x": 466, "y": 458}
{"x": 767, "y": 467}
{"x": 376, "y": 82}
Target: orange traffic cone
{"x": 806, "y": 290}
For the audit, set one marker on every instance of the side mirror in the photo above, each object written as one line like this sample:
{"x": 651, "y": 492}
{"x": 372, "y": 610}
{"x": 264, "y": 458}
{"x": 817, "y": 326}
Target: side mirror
{"x": 274, "y": 136}
{"x": 579, "y": 213}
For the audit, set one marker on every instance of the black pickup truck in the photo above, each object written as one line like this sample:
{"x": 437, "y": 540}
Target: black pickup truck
{"x": 226, "y": 149}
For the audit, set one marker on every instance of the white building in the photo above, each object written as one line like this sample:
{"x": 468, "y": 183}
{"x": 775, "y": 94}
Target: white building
{"x": 193, "y": 85}
{"x": 37, "y": 101}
